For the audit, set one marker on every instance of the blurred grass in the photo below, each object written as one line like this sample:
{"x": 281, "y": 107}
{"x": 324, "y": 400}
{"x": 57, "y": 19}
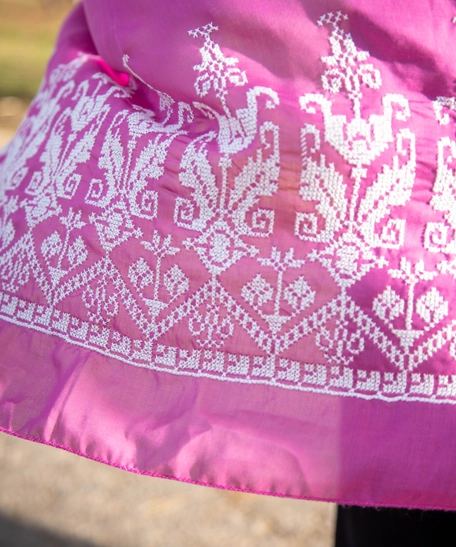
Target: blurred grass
{"x": 28, "y": 30}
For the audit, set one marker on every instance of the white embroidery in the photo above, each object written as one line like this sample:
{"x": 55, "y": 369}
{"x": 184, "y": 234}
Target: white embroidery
{"x": 349, "y": 225}
{"x": 217, "y": 70}
{"x": 223, "y": 206}
{"x": 431, "y": 307}
{"x": 217, "y": 278}
{"x": 232, "y": 367}
{"x": 438, "y": 234}
{"x": 298, "y": 294}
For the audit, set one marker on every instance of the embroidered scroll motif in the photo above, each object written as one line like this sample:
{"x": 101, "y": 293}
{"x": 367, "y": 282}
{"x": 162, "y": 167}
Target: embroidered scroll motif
{"x": 158, "y": 235}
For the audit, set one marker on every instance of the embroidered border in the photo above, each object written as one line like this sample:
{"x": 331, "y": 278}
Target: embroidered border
{"x": 213, "y": 364}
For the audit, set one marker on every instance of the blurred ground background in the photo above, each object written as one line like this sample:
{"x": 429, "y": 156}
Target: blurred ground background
{"x": 27, "y": 33}
{"x": 51, "y": 498}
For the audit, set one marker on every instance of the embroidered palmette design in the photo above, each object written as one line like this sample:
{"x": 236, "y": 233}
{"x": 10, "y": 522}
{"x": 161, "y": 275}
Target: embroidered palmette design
{"x": 130, "y": 231}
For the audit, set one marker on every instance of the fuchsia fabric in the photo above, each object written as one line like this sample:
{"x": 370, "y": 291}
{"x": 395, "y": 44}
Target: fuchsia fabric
{"x": 228, "y": 252}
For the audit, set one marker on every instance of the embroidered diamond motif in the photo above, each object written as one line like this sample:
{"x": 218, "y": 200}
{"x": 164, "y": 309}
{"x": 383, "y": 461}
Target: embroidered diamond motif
{"x": 348, "y": 259}
{"x": 219, "y": 248}
{"x": 114, "y": 226}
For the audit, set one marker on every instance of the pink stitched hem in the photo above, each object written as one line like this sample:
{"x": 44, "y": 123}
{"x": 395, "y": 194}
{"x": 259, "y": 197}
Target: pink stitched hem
{"x": 339, "y": 501}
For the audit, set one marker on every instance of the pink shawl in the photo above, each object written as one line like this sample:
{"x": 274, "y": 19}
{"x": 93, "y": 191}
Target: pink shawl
{"x": 228, "y": 250}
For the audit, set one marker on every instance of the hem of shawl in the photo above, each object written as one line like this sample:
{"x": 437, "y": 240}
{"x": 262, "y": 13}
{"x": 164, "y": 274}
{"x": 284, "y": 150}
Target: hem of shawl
{"x": 339, "y": 501}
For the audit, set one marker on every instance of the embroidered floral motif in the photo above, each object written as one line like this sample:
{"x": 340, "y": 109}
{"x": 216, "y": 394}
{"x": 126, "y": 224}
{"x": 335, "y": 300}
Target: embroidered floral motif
{"x": 118, "y": 211}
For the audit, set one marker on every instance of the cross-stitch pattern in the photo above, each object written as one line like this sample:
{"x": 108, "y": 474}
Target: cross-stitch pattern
{"x": 144, "y": 238}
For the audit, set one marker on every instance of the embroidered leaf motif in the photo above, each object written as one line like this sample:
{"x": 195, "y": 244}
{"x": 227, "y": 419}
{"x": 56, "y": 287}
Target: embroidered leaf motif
{"x": 140, "y": 274}
{"x": 77, "y": 252}
{"x": 299, "y": 294}
{"x": 257, "y": 292}
{"x": 52, "y": 245}
{"x": 438, "y": 234}
{"x": 392, "y": 188}
{"x": 432, "y": 307}
{"x": 258, "y": 178}
{"x": 322, "y": 184}
{"x": 196, "y": 173}
{"x": 176, "y": 282}
{"x": 389, "y": 305}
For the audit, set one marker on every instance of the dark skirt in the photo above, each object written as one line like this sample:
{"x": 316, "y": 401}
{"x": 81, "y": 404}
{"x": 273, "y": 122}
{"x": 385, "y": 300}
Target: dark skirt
{"x": 387, "y": 527}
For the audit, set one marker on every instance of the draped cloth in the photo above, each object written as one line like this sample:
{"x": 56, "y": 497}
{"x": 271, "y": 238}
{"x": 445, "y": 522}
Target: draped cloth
{"x": 228, "y": 247}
